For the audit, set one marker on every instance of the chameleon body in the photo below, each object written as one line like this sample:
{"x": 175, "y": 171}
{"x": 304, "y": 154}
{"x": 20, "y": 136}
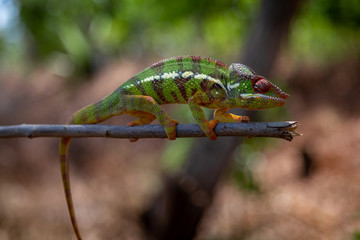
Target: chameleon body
{"x": 196, "y": 81}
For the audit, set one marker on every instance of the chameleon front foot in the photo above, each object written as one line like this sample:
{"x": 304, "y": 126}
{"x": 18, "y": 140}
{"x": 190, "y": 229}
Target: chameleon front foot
{"x": 222, "y": 116}
{"x": 170, "y": 129}
{"x": 209, "y": 131}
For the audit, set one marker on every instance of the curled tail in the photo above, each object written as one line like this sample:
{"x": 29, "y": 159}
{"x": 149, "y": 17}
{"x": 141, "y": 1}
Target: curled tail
{"x": 64, "y": 164}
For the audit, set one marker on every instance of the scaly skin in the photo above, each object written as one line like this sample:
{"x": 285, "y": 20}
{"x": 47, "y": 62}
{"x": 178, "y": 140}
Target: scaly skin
{"x": 198, "y": 82}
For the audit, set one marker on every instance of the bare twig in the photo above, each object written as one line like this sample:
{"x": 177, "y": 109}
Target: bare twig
{"x": 285, "y": 130}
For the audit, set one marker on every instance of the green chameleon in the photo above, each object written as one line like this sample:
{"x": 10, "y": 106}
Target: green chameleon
{"x": 196, "y": 81}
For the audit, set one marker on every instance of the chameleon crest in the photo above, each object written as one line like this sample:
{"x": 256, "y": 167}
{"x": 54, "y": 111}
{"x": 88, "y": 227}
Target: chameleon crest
{"x": 196, "y": 81}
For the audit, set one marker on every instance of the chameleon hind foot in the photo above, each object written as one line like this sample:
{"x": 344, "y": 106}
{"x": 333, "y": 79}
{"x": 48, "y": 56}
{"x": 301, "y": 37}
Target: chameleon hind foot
{"x": 131, "y": 124}
{"x": 170, "y": 127}
{"x": 143, "y": 119}
{"x": 148, "y": 109}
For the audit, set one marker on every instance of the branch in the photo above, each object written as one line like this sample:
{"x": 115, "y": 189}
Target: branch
{"x": 285, "y": 130}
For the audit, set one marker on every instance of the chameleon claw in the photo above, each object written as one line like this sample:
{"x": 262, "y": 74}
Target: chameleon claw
{"x": 170, "y": 129}
{"x": 132, "y": 124}
{"x": 244, "y": 119}
{"x": 209, "y": 131}
{"x": 212, "y": 123}
{"x": 212, "y": 136}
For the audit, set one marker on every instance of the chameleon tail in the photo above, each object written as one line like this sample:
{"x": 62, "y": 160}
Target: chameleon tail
{"x": 93, "y": 113}
{"x": 98, "y": 112}
{"x": 64, "y": 163}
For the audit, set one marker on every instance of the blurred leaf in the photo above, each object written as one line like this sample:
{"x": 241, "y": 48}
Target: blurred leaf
{"x": 84, "y": 30}
{"x": 246, "y": 159}
{"x": 74, "y": 41}
{"x": 326, "y": 30}
{"x": 176, "y": 153}
{"x": 356, "y": 235}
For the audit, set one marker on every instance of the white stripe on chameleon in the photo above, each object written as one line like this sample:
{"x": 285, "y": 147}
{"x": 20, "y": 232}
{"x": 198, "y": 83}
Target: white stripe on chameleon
{"x": 172, "y": 75}
{"x": 151, "y": 78}
{"x": 231, "y": 86}
{"x": 186, "y": 74}
{"x": 129, "y": 86}
{"x": 211, "y": 79}
{"x": 218, "y": 82}
{"x": 200, "y": 76}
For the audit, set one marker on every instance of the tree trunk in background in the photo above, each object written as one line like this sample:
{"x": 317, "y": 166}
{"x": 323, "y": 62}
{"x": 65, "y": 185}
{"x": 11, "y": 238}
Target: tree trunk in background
{"x": 268, "y": 34}
{"x": 178, "y": 209}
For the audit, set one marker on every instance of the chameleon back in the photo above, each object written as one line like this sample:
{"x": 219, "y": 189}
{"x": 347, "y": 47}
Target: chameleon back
{"x": 175, "y": 80}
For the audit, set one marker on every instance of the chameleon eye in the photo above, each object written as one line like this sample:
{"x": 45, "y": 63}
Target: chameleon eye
{"x": 261, "y": 86}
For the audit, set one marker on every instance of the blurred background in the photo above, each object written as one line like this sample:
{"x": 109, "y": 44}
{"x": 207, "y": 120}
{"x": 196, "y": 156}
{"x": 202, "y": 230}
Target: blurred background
{"x": 58, "y": 56}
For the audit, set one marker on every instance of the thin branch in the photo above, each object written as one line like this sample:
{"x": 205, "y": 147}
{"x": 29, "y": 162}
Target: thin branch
{"x": 285, "y": 130}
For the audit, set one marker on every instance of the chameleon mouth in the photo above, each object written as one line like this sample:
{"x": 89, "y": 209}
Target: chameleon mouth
{"x": 281, "y": 99}
{"x": 261, "y": 101}
{"x": 277, "y": 100}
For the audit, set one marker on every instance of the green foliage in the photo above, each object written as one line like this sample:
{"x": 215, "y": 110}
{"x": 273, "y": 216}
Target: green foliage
{"x": 326, "y": 31}
{"x": 247, "y": 157}
{"x": 341, "y": 13}
{"x": 86, "y": 31}
{"x": 175, "y": 153}
{"x": 356, "y": 235}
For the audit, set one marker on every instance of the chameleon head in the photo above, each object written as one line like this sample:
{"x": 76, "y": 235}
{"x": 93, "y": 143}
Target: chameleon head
{"x": 248, "y": 90}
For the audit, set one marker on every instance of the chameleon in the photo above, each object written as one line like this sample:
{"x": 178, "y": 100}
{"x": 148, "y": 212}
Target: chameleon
{"x": 196, "y": 81}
